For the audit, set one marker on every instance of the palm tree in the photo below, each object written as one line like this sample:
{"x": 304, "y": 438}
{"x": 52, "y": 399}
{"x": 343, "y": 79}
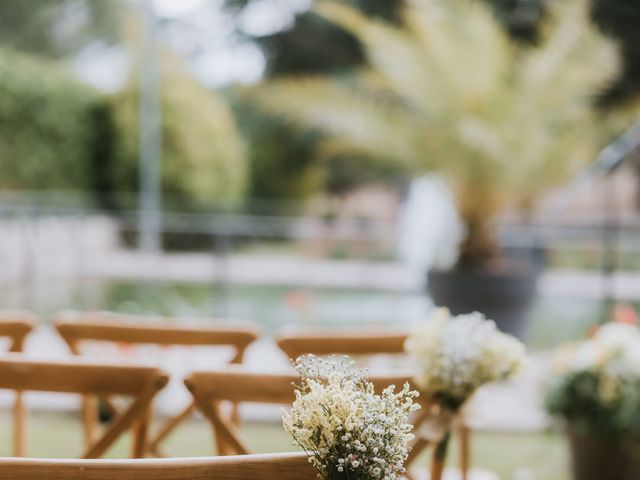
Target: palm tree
{"x": 447, "y": 91}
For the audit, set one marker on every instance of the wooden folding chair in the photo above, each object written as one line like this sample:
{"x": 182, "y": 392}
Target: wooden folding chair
{"x": 343, "y": 342}
{"x": 16, "y": 325}
{"x": 91, "y": 378}
{"x": 78, "y": 327}
{"x": 211, "y": 388}
{"x": 369, "y": 342}
{"x": 280, "y": 466}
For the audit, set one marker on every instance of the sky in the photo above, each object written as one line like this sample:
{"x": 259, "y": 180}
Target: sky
{"x": 202, "y": 32}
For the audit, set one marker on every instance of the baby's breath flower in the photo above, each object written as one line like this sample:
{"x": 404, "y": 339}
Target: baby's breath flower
{"x": 347, "y": 429}
{"x": 457, "y": 355}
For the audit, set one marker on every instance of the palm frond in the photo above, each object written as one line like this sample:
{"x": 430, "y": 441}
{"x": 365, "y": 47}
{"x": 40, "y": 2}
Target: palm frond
{"x": 447, "y": 90}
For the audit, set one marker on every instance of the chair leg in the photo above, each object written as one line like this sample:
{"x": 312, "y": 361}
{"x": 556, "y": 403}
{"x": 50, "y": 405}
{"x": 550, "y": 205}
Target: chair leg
{"x": 139, "y": 437}
{"x": 125, "y": 420}
{"x": 90, "y": 418}
{"x": 439, "y": 458}
{"x": 465, "y": 451}
{"x": 418, "y": 446}
{"x": 19, "y": 426}
{"x": 235, "y": 414}
{"x": 167, "y": 428}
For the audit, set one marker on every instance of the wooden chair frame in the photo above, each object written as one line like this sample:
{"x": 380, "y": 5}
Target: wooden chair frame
{"x": 16, "y": 325}
{"x": 343, "y": 342}
{"x": 371, "y": 342}
{"x": 78, "y": 327}
{"x": 91, "y": 378}
{"x": 280, "y": 466}
{"x": 210, "y": 388}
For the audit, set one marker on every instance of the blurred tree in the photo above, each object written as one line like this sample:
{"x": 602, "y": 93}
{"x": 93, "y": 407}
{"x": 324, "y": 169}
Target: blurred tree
{"x": 450, "y": 92}
{"x": 46, "y": 126}
{"x": 282, "y": 167}
{"x": 284, "y": 161}
{"x": 521, "y": 18}
{"x": 56, "y": 27}
{"x": 203, "y": 156}
{"x": 620, "y": 19}
{"x": 312, "y": 44}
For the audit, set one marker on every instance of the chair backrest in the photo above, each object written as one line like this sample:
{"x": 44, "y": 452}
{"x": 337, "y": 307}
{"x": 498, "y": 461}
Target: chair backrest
{"x": 77, "y": 327}
{"x": 89, "y": 378}
{"x": 16, "y": 325}
{"x": 281, "y": 466}
{"x": 210, "y": 388}
{"x": 344, "y": 342}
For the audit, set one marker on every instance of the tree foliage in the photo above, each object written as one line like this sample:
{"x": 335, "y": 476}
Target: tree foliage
{"x": 203, "y": 155}
{"x": 448, "y": 91}
{"x": 284, "y": 161}
{"x": 56, "y": 27}
{"x": 47, "y": 122}
{"x": 521, "y": 18}
{"x": 621, "y": 20}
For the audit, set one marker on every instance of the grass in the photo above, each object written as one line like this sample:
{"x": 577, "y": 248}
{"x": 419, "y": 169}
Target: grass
{"x": 513, "y": 456}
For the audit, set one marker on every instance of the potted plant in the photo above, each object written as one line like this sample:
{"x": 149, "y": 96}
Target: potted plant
{"x": 446, "y": 90}
{"x": 597, "y": 393}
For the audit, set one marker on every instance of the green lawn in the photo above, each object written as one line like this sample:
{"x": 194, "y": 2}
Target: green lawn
{"x": 539, "y": 456}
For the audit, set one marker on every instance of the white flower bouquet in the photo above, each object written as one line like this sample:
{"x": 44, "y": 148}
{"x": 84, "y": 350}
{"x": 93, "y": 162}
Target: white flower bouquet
{"x": 596, "y": 390}
{"x": 597, "y": 386}
{"x": 457, "y": 355}
{"x": 349, "y": 431}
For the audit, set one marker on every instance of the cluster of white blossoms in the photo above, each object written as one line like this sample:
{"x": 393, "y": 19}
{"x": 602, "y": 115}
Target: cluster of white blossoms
{"x": 457, "y": 355}
{"x": 349, "y": 431}
{"x": 613, "y": 353}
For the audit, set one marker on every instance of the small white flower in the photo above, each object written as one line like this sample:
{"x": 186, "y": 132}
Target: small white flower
{"x": 457, "y": 355}
{"x": 339, "y": 419}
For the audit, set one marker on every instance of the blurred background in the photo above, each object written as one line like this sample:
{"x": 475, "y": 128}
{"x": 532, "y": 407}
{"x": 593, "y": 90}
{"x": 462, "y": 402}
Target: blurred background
{"x": 306, "y": 164}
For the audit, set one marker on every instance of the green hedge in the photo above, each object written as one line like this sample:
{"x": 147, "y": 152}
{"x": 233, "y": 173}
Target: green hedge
{"x": 203, "y": 155}
{"x": 58, "y": 134}
{"x": 46, "y": 126}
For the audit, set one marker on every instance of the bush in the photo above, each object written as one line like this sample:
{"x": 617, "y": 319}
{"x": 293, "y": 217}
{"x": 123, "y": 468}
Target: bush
{"x": 203, "y": 156}
{"x": 46, "y": 126}
{"x": 284, "y": 169}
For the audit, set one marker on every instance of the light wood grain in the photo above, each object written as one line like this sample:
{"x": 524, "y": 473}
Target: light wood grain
{"x": 78, "y": 327}
{"x": 210, "y": 388}
{"x": 343, "y": 342}
{"x": 16, "y": 325}
{"x": 283, "y": 466}
{"x": 89, "y": 378}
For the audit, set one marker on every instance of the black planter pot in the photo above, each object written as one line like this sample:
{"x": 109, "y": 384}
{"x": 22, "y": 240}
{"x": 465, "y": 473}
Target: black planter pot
{"x": 598, "y": 458}
{"x": 503, "y": 295}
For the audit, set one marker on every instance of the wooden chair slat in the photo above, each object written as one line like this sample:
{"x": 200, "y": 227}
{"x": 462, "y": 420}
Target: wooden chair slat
{"x": 19, "y": 373}
{"x": 241, "y": 386}
{"x": 76, "y": 327}
{"x": 282, "y": 466}
{"x": 16, "y": 325}
{"x": 345, "y": 342}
